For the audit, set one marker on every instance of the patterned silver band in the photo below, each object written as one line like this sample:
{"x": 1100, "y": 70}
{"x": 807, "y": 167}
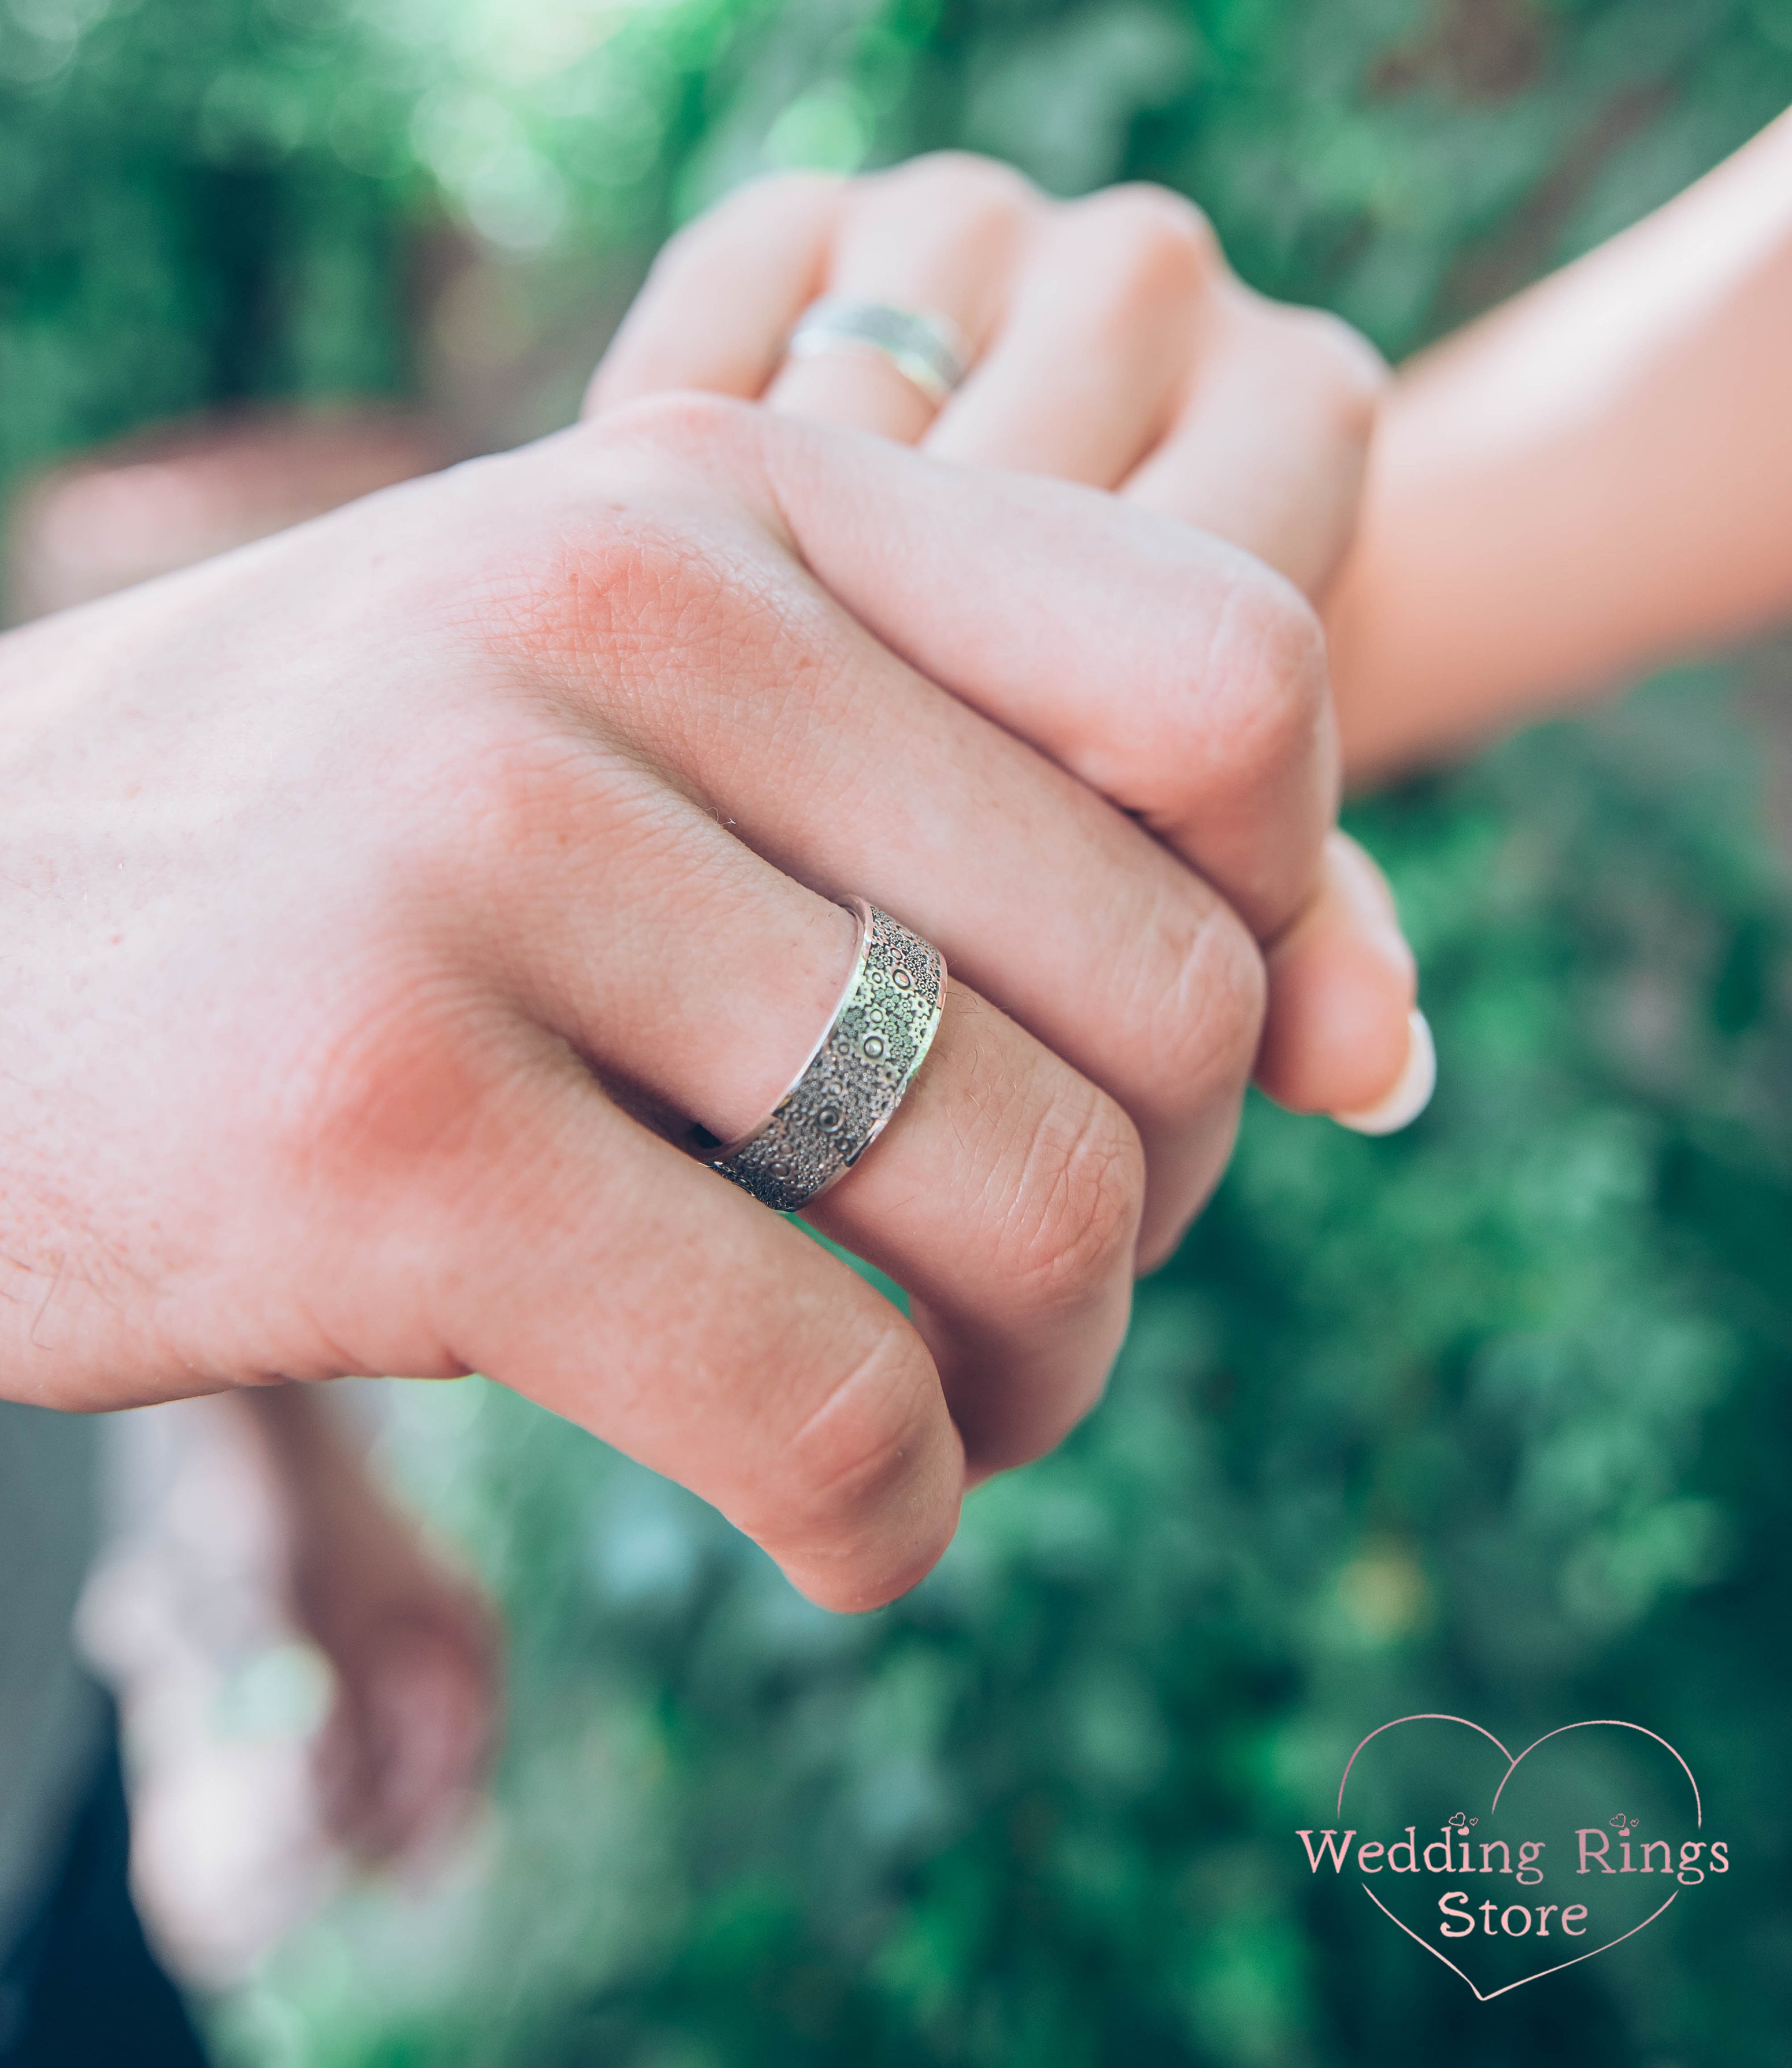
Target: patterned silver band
{"x": 855, "y": 1079}
{"x": 925, "y": 348}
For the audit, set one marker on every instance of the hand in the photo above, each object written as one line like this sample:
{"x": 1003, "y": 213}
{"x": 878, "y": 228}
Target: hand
{"x": 413, "y": 1646}
{"x": 342, "y": 876}
{"x": 1111, "y": 344}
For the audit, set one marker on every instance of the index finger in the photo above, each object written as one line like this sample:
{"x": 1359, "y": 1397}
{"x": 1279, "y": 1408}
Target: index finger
{"x": 1172, "y": 673}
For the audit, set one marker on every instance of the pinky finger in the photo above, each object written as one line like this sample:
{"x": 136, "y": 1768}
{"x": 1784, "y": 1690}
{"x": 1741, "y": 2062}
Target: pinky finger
{"x": 1343, "y": 1035}
{"x": 724, "y": 294}
{"x": 606, "y": 1276}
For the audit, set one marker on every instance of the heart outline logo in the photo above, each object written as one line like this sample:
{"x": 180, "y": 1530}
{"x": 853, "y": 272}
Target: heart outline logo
{"x": 1512, "y": 1765}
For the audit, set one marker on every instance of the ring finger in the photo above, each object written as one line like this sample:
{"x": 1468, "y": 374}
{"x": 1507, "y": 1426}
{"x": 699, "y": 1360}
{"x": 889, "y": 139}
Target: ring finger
{"x": 1004, "y": 1193}
{"x": 940, "y": 237}
{"x": 1080, "y": 322}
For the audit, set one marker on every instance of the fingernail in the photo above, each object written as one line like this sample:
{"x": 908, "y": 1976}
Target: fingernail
{"x": 1410, "y": 1095}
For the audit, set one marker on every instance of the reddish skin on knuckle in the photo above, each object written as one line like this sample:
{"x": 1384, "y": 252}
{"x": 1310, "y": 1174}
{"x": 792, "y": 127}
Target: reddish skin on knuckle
{"x": 406, "y": 1096}
{"x": 609, "y": 601}
{"x": 531, "y": 795}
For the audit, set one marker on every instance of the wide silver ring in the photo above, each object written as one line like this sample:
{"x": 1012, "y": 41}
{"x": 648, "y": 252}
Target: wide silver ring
{"x": 925, "y": 347}
{"x": 855, "y": 1077}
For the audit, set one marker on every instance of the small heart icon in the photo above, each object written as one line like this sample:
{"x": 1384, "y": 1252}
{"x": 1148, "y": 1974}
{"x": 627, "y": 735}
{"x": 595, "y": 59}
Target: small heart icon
{"x": 1540, "y": 1872}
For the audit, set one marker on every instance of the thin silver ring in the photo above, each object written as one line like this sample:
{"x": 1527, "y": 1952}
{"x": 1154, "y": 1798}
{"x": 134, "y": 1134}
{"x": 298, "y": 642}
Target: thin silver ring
{"x": 924, "y": 346}
{"x": 855, "y": 1077}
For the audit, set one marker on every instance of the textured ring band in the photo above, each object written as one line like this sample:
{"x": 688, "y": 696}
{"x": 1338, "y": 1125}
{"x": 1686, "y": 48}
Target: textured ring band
{"x": 846, "y": 1092}
{"x": 926, "y": 349}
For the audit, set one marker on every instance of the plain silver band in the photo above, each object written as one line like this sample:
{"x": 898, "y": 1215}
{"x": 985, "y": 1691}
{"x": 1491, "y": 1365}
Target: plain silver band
{"x": 925, "y": 348}
{"x": 856, "y": 1075}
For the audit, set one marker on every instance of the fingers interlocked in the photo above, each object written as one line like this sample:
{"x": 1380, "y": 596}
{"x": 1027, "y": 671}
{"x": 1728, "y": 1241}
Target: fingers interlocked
{"x": 796, "y": 713}
{"x": 671, "y": 689}
{"x": 1109, "y": 345}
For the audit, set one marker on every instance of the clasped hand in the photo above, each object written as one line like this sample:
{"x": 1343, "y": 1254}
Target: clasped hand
{"x": 381, "y": 900}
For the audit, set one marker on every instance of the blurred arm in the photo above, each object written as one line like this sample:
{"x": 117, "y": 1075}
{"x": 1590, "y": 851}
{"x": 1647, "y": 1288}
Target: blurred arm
{"x": 414, "y": 1647}
{"x": 1593, "y": 479}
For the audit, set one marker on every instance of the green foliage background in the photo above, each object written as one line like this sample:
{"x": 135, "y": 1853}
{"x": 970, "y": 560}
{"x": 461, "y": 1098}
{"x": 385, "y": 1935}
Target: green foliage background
{"x": 1491, "y": 1417}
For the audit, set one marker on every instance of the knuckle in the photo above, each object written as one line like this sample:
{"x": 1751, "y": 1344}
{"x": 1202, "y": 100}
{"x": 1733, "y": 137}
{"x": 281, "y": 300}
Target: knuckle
{"x": 849, "y": 1493}
{"x": 1194, "y": 995}
{"x": 1214, "y": 1013}
{"x": 756, "y": 203}
{"x": 533, "y": 792}
{"x": 683, "y": 423}
{"x": 618, "y": 590}
{"x": 1346, "y": 368}
{"x": 398, "y": 1090}
{"x": 783, "y": 192}
{"x": 1161, "y": 243}
{"x": 689, "y": 245}
{"x": 975, "y": 194}
{"x": 1263, "y": 692}
{"x": 1076, "y": 1211}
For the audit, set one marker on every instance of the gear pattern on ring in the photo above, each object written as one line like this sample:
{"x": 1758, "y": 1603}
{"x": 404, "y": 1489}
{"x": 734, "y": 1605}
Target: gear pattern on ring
{"x": 838, "y": 1107}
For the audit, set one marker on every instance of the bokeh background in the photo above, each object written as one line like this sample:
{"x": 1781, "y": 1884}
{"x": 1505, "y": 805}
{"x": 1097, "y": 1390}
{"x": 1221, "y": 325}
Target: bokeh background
{"x": 1490, "y": 1418}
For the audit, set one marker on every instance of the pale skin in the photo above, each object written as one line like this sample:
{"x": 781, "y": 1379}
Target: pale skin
{"x": 1593, "y": 479}
{"x": 1649, "y": 366}
{"x": 1112, "y": 346}
{"x": 412, "y": 1646}
{"x": 379, "y": 898}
